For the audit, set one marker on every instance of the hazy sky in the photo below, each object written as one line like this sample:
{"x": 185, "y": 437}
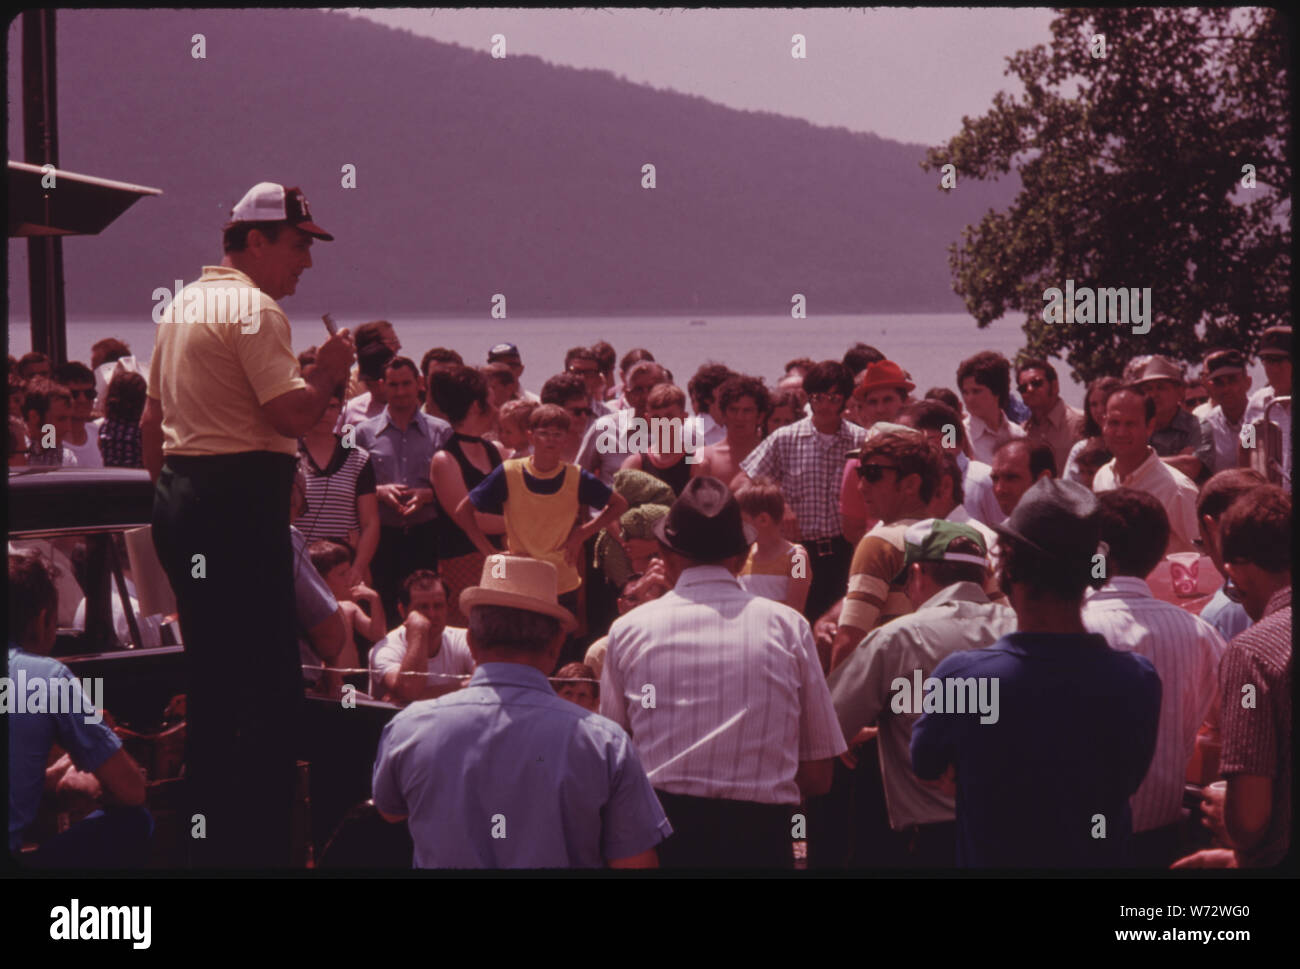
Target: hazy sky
{"x": 903, "y": 74}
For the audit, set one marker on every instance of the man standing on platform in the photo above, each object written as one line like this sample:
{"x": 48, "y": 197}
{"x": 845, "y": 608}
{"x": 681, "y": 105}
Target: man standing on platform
{"x": 227, "y": 403}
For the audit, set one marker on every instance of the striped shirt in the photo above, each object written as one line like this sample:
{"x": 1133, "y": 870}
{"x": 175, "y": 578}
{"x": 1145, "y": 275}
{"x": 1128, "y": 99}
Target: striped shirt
{"x": 1257, "y": 737}
{"x": 808, "y": 465}
{"x": 1185, "y": 651}
{"x": 721, "y": 690}
{"x": 874, "y": 596}
{"x": 332, "y": 492}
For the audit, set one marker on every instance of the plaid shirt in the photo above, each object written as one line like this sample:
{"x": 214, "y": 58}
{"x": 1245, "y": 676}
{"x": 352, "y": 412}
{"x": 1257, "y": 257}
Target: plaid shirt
{"x": 119, "y": 443}
{"x": 808, "y": 471}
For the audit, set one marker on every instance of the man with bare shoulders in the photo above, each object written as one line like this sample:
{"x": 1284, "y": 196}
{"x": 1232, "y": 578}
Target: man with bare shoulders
{"x": 745, "y": 402}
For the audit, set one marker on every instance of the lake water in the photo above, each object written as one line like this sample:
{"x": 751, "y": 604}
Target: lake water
{"x": 928, "y": 346}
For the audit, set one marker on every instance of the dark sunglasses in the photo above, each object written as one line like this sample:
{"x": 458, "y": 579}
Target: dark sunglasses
{"x": 89, "y": 393}
{"x": 1031, "y": 385}
{"x": 874, "y": 472}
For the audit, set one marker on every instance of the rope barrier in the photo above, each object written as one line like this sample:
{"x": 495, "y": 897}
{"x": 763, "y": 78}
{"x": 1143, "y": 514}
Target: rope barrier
{"x": 349, "y": 671}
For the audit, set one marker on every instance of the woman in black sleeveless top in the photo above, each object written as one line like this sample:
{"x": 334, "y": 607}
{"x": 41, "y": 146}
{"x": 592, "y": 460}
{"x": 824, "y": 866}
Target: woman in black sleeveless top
{"x": 462, "y": 394}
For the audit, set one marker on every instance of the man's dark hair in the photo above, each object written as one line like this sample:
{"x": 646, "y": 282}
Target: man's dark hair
{"x": 1256, "y": 529}
{"x": 912, "y": 454}
{"x": 950, "y": 573}
{"x": 1136, "y": 527}
{"x": 419, "y": 579}
{"x": 635, "y": 355}
{"x": 39, "y": 394}
{"x": 27, "y": 360}
{"x": 740, "y": 385}
{"x": 580, "y": 353}
{"x": 520, "y": 630}
{"x": 1036, "y": 363}
{"x": 234, "y": 237}
{"x": 1104, "y": 385}
{"x": 398, "y": 362}
{"x": 456, "y": 389}
{"x": 944, "y": 396}
{"x": 707, "y": 379}
{"x": 372, "y": 360}
{"x": 803, "y": 363}
{"x": 1043, "y": 575}
{"x": 368, "y": 333}
{"x": 562, "y": 388}
{"x": 326, "y": 556}
{"x": 828, "y": 377}
{"x": 1148, "y": 403}
{"x": 125, "y": 398}
{"x": 108, "y": 350}
{"x": 954, "y": 473}
{"x": 990, "y": 369}
{"x": 73, "y": 372}
{"x": 860, "y": 356}
{"x": 439, "y": 355}
{"x": 31, "y": 591}
{"x": 933, "y": 415}
{"x": 605, "y": 356}
{"x": 1040, "y": 455}
{"x": 1223, "y": 489}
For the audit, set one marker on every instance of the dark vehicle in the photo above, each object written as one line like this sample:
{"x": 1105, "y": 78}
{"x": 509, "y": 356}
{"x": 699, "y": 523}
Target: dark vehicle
{"x": 82, "y": 520}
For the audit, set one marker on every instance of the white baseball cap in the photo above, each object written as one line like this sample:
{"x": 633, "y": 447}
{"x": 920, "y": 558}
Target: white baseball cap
{"x": 269, "y": 202}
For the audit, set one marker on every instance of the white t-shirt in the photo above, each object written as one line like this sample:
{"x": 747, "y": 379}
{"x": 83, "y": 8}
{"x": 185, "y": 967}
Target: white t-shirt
{"x": 453, "y": 657}
{"x": 87, "y": 454}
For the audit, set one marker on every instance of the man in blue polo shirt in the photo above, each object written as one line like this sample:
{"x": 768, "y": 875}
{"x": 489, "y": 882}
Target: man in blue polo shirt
{"x": 117, "y": 836}
{"x": 504, "y": 773}
{"x": 1045, "y": 781}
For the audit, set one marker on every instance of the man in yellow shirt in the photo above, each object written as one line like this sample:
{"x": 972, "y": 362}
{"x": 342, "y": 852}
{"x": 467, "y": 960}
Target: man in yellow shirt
{"x": 226, "y": 405}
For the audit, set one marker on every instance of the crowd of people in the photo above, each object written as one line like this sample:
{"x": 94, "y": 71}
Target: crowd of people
{"x": 897, "y": 629}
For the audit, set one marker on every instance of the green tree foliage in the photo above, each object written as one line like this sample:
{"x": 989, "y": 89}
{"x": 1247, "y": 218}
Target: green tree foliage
{"x": 1132, "y": 175}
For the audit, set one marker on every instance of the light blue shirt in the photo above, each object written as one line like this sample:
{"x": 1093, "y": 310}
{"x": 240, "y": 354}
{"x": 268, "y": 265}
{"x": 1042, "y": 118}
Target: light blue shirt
{"x": 32, "y": 734}
{"x": 1228, "y": 617}
{"x": 403, "y": 457}
{"x": 505, "y": 774}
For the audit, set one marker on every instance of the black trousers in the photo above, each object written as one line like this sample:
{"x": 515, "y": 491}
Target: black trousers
{"x": 828, "y": 564}
{"x": 713, "y": 833}
{"x": 221, "y": 530}
{"x": 400, "y": 552}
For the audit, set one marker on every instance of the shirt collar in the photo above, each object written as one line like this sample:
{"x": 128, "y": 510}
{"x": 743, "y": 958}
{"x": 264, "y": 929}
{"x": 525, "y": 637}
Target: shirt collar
{"x": 511, "y": 674}
{"x": 1139, "y": 471}
{"x": 1121, "y": 587}
{"x": 1054, "y": 418}
{"x": 807, "y": 429}
{"x": 700, "y": 574}
{"x": 422, "y": 421}
{"x": 957, "y": 592}
{"x": 1281, "y": 599}
{"x": 977, "y": 428}
{"x": 225, "y": 272}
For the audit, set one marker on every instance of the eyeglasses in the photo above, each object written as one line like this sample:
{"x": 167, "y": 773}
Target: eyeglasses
{"x": 1031, "y": 384}
{"x": 585, "y": 371}
{"x": 90, "y": 393}
{"x": 874, "y": 472}
{"x": 826, "y": 398}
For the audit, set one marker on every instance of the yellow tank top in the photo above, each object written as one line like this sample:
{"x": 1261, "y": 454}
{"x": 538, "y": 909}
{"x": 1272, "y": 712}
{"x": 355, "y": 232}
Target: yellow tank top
{"x": 538, "y": 525}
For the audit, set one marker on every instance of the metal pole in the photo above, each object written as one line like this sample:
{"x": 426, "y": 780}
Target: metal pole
{"x": 41, "y": 147}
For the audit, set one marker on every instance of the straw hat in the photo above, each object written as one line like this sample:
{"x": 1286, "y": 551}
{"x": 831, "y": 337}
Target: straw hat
{"x": 520, "y": 583}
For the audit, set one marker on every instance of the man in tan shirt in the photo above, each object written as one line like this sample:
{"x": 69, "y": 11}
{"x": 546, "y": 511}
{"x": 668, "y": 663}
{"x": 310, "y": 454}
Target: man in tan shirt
{"x": 1052, "y": 420}
{"x": 226, "y": 405}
